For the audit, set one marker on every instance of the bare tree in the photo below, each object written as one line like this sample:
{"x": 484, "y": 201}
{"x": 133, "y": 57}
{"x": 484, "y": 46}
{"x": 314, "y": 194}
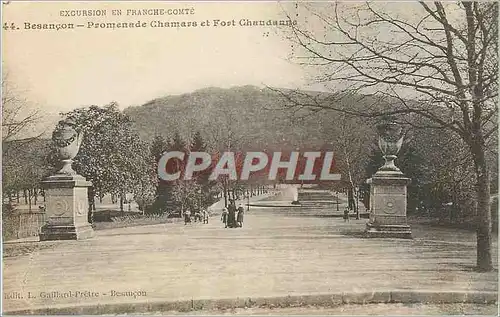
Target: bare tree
{"x": 23, "y": 161}
{"x": 225, "y": 134}
{"x": 352, "y": 143}
{"x": 437, "y": 61}
{"x": 17, "y": 117}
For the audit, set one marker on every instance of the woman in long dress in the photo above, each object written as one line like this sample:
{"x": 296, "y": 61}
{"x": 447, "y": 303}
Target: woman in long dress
{"x": 231, "y": 220}
{"x": 187, "y": 216}
{"x": 239, "y": 219}
{"x": 223, "y": 217}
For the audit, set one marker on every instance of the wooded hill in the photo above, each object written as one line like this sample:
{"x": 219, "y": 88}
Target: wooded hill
{"x": 244, "y": 117}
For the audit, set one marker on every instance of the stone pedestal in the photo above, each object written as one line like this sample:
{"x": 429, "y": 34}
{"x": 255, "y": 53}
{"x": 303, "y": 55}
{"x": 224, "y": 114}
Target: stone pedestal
{"x": 388, "y": 206}
{"x": 66, "y": 208}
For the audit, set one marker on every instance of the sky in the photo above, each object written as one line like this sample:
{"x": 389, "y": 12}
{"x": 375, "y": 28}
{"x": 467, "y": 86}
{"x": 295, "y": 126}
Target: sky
{"x": 65, "y": 69}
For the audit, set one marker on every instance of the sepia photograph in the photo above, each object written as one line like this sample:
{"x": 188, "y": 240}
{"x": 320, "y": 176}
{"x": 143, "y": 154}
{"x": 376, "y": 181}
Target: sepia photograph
{"x": 249, "y": 158}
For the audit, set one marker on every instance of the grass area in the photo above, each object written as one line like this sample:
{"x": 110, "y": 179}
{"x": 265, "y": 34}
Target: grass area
{"x": 434, "y": 222}
{"x": 134, "y": 220}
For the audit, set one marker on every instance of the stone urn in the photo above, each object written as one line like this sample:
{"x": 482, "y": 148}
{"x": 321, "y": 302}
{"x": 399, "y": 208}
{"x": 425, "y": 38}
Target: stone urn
{"x": 67, "y": 140}
{"x": 389, "y": 142}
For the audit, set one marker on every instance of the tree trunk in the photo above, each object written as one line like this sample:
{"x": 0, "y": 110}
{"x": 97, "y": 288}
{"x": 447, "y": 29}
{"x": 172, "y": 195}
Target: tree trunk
{"x": 483, "y": 212}
{"x": 29, "y": 200}
{"x": 25, "y": 197}
{"x": 350, "y": 197}
{"x": 225, "y": 193}
{"x": 17, "y": 197}
{"x": 121, "y": 202}
{"x": 35, "y": 195}
{"x": 356, "y": 202}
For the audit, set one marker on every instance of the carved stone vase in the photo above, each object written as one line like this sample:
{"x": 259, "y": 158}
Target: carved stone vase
{"x": 389, "y": 141}
{"x": 66, "y": 201}
{"x": 67, "y": 141}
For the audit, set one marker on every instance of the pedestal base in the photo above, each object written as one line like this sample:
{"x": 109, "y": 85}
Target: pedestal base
{"x": 388, "y": 231}
{"x": 68, "y": 232}
{"x": 388, "y": 206}
{"x": 66, "y": 205}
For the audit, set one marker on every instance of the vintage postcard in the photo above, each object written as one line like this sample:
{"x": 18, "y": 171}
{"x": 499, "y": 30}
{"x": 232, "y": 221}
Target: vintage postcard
{"x": 249, "y": 158}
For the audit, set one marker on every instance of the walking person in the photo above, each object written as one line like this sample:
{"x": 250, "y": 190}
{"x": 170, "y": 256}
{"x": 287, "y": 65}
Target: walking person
{"x": 197, "y": 215}
{"x": 239, "y": 219}
{"x": 187, "y": 216}
{"x": 231, "y": 219}
{"x": 204, "y": 214}
{"x": 224, "y": 216}
{"x": 346, "y": 215}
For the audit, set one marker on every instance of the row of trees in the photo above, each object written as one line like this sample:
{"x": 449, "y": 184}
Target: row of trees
{"x": 23, "y": 163}
{"x": 200, "y": 191}
{"x": 181, "y": 194}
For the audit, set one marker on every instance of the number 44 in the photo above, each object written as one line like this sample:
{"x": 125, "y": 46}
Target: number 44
{"x": 7, "y": 27}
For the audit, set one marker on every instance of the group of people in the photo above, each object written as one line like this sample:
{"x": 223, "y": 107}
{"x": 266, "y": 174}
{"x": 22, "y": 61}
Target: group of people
{"x": 199, "y": 215}
{"x": 232, "y": 217}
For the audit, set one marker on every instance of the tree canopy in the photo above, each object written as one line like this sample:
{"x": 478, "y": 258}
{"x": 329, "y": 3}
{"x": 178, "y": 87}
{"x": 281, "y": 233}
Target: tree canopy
{"x": 111, "y": 155}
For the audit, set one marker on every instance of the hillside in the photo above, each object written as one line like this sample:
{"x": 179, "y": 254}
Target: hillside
{"x": 246, "y": 117}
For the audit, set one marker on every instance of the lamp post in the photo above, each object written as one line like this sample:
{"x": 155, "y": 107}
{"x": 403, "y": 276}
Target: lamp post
{"x": 248, "y": 201}
{"x": 224, "y": 188}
